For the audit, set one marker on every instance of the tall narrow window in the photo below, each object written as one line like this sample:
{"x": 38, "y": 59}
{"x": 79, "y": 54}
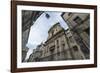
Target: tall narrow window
{"x": 63, "y": 46}
{"x": 57, "y": 44}
{"x": 58, "y": 51}
{"x": 52, "y": 32}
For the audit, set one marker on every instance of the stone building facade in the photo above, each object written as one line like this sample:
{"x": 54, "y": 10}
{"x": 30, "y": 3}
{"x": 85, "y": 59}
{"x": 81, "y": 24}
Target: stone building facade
{"x": 60, "y": 45}
{"x": 36, "y": 54}
{"x": 28, "y": 19}
{"x": 79, "y": 25}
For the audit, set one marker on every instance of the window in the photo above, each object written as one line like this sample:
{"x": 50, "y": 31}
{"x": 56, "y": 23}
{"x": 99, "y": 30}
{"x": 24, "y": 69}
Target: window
{"x": 47, "y": 50}
{"x": 52, "y": 48}
{"x": 78, "y": 20}
{"x": 87, "y": 31}
{"x": 75, "y": 48}
{"x": 52, "y": 32}
{"x": 58, "y": 50}
{"x": 63, "y": 46}
{"x": 69, "y": 13}
{"x": 57, "y": 46}
{"x": 57, "y": 43}
{"x": 63, "y": 49}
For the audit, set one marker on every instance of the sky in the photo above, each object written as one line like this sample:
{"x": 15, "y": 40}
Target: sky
{"x": 39, "y": 30}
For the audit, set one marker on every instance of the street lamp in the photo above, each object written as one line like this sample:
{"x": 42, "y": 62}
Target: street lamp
{"x": 47, "y": 15}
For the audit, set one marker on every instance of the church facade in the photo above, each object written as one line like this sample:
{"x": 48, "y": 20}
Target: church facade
{"x": 60, "y": 45}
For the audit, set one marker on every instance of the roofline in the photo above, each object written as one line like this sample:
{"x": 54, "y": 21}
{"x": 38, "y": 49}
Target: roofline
{"x": 53, "y": 26}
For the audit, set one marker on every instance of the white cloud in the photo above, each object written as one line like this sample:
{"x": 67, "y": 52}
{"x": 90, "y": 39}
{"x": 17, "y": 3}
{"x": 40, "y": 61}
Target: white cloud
{"x": 28, "y": 54}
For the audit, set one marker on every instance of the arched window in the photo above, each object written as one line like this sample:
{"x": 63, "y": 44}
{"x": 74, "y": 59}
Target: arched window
{"x": 75, "y": 48}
